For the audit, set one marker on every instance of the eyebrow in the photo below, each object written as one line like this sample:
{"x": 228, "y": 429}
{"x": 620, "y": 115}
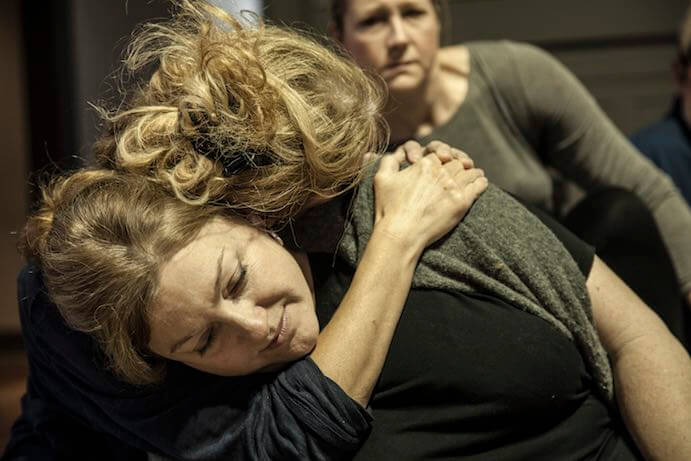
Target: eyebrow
{"x": 217, "y": 290}
{"x": 219, "y": 271}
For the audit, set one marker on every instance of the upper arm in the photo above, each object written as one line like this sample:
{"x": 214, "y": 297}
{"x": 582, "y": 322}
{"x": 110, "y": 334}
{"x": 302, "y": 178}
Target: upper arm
{"x": 620, "y": 316}
{"x": 575, "y": 134}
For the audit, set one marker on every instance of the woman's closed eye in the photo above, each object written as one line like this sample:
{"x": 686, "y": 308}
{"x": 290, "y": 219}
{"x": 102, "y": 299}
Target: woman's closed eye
{"x": 237, "y": 282}
{"x": 206, "y": 341}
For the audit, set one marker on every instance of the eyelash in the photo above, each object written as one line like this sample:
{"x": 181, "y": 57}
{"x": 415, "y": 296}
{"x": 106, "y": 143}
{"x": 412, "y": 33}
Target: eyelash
{"x": 376, "y": 19}
{"x": 209, "y": 340}
{"x": 236, "y": 286}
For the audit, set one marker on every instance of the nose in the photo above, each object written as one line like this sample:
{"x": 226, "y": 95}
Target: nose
{"x": 398, "y": 36}
{"x": 246, "y": 319}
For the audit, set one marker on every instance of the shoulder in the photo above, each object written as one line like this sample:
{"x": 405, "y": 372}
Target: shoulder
{"x": 515, "y": 63}
{"x": 502, "y": 50}
{"x": 455, "y": 58}
{"x": 664, "y": 139}
{"x": 657, "y": 133}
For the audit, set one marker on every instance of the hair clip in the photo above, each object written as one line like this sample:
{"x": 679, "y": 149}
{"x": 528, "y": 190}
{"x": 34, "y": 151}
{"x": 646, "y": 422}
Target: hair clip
{"x": 232, "y": 162}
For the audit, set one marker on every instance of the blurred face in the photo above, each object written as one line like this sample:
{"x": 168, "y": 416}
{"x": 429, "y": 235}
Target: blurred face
{"x": 399, "y": 39}
{"x": 233, "y": 302}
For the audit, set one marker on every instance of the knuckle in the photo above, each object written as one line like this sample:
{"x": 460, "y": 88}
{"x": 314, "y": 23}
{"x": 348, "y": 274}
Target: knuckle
{"x": 409, "y": 145}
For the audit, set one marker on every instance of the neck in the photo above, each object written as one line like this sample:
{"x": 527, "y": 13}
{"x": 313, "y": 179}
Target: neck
{"x": 414, "y": 112}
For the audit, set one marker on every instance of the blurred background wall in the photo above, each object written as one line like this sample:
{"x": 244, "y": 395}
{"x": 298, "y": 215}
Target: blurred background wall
{"x": 57, "y": 55}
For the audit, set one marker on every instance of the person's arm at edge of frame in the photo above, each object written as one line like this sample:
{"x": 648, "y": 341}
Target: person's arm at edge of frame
{"x": 652, "y": 370}
{"x": 382, "y": 281}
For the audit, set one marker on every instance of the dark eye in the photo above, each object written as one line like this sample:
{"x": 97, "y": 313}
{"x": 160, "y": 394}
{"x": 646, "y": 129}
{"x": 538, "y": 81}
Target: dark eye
{"x": 371, "y": 21}
{"x": 207, "y": 341}
{"x": 413, "y": 13}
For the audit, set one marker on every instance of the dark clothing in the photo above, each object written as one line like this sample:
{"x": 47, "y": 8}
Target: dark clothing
{"x": 295, "y": 414}
{"x": 465, "y": 376}
{"x": 471, "y": 377}
{"x": 502, "y": 249}
{"x": 668, "y": 144}
{"x": 605, "y": 219}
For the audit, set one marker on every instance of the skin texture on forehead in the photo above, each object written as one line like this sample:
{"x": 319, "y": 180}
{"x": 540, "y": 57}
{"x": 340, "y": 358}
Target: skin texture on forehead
{"x": 233, "y": 302}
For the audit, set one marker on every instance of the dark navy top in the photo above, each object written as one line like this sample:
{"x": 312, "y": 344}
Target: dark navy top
{"x": 668, "y": 144}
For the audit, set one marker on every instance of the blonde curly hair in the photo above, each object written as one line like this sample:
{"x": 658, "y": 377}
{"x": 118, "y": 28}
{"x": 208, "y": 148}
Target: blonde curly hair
{"x": 257, "y": 118}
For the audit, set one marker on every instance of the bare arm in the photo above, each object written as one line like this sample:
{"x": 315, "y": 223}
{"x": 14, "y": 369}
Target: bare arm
{"x": 414, "y": 207}
{"x": 652, "y": 371}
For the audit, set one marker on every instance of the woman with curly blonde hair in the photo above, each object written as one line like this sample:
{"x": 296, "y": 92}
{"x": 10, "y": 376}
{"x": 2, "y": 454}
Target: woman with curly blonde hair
{"x": 198, "y": 288}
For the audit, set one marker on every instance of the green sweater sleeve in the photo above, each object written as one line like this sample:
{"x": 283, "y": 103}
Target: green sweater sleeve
{"x": 576, "y": 138}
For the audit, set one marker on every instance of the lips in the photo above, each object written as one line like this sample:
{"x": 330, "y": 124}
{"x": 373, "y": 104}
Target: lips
{"x": 397, "y": 65}
{"x": 279, "y": 337}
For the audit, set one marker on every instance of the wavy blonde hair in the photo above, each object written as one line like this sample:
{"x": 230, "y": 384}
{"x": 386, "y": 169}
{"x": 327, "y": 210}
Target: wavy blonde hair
{"x": 100, "y": 239}
{"x": 221, "y": 90}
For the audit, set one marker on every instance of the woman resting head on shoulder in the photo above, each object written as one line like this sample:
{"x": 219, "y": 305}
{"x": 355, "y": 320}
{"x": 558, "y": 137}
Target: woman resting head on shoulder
{"x": 209, "y": 157}
{"x": 154, "y": 278}
{"x": 154, "y": 282}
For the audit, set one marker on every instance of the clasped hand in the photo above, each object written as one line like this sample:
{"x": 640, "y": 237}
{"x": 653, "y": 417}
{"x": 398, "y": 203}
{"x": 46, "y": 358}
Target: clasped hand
{"x": 419, "y": 204}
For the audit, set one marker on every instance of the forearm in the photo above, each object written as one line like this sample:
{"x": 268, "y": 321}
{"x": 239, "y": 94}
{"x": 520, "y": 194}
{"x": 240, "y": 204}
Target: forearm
{"x": 352, "y": 347}
{"x": 653, "y": 386}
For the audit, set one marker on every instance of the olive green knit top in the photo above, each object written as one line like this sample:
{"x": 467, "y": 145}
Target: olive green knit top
{"x": 525, "y": 112}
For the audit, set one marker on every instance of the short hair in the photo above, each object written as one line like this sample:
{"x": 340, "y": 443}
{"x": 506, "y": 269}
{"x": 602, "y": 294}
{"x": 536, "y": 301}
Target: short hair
{"x": 100, "y": 239}
{"x": 222, "y": 91}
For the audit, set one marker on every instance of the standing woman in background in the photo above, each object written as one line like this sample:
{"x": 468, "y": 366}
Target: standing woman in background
{"x": 518, "y": 113}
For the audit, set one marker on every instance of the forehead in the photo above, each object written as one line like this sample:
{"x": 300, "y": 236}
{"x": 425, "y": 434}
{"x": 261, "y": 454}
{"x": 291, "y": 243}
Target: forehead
{"x": 187, "y": 280}
{"x": 365, "y": 6}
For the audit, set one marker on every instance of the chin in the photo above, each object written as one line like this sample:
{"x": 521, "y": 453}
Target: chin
{"x": 403, "y": 84}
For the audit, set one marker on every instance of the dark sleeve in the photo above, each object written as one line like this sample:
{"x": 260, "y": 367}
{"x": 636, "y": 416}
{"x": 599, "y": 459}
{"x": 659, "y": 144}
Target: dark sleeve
{"x": 298, "y": 414}
{"x": 49, "y": 432}
{"x": 295, "y": 414}
{"x": 581, "y": 252}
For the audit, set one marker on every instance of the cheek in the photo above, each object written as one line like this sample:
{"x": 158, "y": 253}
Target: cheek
{"x": 428, "y": 41}
{"x": 368, "y": 54}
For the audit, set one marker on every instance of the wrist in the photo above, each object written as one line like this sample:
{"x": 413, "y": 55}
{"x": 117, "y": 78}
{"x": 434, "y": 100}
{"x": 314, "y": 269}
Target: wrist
{"x": 391, "y": 241}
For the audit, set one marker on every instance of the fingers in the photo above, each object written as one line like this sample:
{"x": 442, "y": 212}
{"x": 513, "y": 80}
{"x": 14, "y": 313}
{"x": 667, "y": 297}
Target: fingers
{"x": 441, "y": 150}
{"x": 411, "y": 151}
{"x": 467, "y": 177}
{"x": 446, "y": 153}
{"x": 390, "y": 164}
